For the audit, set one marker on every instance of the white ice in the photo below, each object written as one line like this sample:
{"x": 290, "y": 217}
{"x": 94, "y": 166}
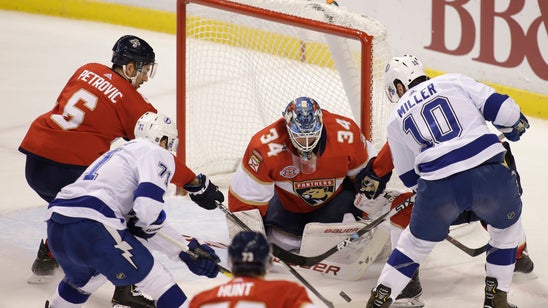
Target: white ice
{"x": 38, "y": 54}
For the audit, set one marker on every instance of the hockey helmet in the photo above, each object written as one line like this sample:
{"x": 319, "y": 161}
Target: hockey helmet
{"x": 249, "y": 254}
{"x": 130, "y": 48}
{"x": 400, "y": 74}
{"x": 158, "y": 129}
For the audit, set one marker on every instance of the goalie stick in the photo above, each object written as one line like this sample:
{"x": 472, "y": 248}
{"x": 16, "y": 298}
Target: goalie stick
{"x": 195, "y": 254}
{"x": 296, "y": 259}
{"x": 242, "y": 225}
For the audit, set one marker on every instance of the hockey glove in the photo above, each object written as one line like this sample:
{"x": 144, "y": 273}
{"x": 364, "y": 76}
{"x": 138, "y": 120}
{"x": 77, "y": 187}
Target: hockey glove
{"x": 514, "y": 132}
{"x": 205, "y": 193}
{"x": 145, "y": 232}
{"x": 370, "y": 184}
{"x": 201, "y": 259}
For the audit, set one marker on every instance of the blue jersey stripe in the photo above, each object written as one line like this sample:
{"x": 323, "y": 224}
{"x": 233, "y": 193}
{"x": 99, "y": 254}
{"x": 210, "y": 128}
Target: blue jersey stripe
{"x": 470, "y": 150}
{"x": 149, "y": 190}
{"x": 492, "y": 106}
{"x": 85, "y": 202}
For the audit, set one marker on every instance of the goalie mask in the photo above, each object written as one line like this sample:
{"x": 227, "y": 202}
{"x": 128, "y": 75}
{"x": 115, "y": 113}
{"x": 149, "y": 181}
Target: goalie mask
{"x": 130, "y": 48}
{"x": 158, "y": 129}
{"x": 303, "y": 118}
{"x": 249, "y": 254}
{"x": 401, "y": 74}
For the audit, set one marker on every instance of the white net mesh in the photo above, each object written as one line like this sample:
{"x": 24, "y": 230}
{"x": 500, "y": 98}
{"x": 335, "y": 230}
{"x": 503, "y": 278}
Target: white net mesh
{"x": 242, "y": 71}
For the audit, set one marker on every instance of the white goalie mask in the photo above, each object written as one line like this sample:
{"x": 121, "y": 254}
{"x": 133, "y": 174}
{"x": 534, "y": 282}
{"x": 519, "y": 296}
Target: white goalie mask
{"x": 399, "y": 73}
{"x": 158, "y": 129}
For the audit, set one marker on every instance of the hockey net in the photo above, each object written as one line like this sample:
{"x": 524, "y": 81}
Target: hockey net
{"x": 240, "y": 63}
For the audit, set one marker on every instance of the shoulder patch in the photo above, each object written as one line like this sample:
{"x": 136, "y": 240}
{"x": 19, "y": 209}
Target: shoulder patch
{"x": 255, "y": 160}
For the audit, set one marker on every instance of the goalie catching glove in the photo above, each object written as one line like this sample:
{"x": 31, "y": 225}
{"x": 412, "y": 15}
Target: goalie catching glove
{"x": 368, "y": 183}
{"x": 514, "y": 132}
{"x": 374, "y": 207}
{"x": 204, "y": 193}
{"x": 201, "y": 259}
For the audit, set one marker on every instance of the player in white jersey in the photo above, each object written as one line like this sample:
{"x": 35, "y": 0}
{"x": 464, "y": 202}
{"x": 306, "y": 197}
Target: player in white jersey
{"x": 443, "y": 149}
{"x": 101, "y": 226}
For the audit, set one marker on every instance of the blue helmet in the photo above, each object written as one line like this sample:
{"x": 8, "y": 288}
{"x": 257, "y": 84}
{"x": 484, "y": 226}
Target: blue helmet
{"x": 303, "y": 117}
{"x": 131, "y": 48}
{"x": 249, "y": 254}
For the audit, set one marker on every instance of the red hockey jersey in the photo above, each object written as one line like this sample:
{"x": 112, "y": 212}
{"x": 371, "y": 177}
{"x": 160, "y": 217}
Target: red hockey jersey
{"x": 264, "y": 293}
{"x": 95, "y": 107}
{"x": 268, "y": 166}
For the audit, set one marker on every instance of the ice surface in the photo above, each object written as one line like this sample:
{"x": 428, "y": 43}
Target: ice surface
{"x": 40, "y": 53}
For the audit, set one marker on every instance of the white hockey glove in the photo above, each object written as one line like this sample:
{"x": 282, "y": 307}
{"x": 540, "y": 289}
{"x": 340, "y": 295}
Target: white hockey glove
{"x": 373, "y": 207}
{"x": 205, "y": 193}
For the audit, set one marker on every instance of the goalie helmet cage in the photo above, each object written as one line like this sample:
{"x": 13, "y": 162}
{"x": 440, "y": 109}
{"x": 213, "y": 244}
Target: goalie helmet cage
{"x": 240, "y": 63}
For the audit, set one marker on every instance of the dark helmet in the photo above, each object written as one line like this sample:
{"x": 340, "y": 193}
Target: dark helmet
{"x": 131, "y": 48}
{"x": 249, "y": 254}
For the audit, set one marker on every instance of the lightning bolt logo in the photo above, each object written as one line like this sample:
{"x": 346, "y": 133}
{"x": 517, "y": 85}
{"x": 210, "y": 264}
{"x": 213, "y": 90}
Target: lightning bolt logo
{"x": 124, "y": 246}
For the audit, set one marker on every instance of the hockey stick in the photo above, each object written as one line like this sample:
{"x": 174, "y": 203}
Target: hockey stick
{"x": 195, "y": 254}
{"x": 296, "y": 259}
{"x": 244, "y": 227}
{"x": 473, "y": 252}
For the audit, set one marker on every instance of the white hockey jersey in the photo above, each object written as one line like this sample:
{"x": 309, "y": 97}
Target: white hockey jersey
{"x": 438, "y": 128}
{"x": 133, "y": 177}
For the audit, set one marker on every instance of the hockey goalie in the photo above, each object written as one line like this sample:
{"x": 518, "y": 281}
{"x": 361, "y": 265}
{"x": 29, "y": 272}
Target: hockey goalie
{"x": 297, "y": 183}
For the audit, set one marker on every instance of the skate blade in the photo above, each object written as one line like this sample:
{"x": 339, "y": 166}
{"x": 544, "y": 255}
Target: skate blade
{"x": 36, "y": 279}
{"x": 120, "y": 306}
{"x": 408, "y": 303}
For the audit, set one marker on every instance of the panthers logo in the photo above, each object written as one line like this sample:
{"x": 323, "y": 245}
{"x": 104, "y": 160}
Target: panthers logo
{"x": 315, "y": 192}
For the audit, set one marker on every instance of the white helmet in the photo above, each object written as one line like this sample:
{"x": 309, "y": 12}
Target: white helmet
{"x": 157, "y": 128}
{"x": 403, "y": 71}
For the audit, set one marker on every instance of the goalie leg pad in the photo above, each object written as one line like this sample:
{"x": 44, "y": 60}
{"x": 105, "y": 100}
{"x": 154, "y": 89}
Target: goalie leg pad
{"x": 353, "y": 260}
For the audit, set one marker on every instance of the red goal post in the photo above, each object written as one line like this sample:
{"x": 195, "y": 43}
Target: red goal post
{"x": 240, "y": 63}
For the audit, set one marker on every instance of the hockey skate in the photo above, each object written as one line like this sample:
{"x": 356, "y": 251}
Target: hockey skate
{"x": 44, "y": 266}
{"x": 524, "y": 264}
{"x": 129, "y": 297}
{"x": 495, "y": 298}
{"x": 380, "y": 298}
{"x": 409, "y": 296}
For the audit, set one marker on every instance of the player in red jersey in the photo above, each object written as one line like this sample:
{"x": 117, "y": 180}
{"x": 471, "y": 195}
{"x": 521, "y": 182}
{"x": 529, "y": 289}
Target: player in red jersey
{"x": 97, "y": 105}
{"x": 249, "y": 256}
{"x": 301, "y": 169}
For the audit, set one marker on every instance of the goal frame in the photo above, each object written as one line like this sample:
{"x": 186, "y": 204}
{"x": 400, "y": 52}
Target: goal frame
{"x": 364, "y": 39}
